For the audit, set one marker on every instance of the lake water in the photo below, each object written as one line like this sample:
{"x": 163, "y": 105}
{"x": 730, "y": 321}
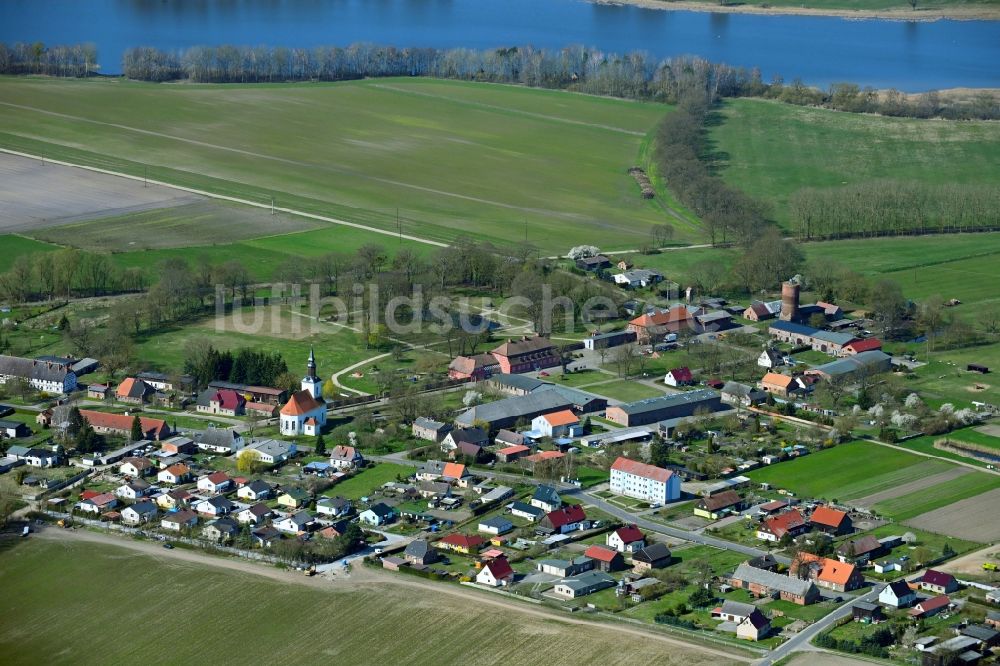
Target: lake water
{"x": 910, "y": 56}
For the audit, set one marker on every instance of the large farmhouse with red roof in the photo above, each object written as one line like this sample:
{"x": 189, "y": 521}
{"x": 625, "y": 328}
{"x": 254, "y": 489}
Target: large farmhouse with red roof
{"x": 121, "y": 424}
{"x": 512, "y": 357}
{"x": 651, "y": 327}
{"x": 776, "y": 527}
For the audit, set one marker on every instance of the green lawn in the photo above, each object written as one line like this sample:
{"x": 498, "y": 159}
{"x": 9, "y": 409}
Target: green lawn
{"x": 771, "y": 149}
{"x": 927, "y": 499}
{"x": 48, "y": 586}
{"x": 14, "y": 246}
{"x": 367, "y": 480}
{"x": 848, "y": 470}
{"x": 625, "y": 390}
{"x": 456, "y": 158}
{"x": 933, "y": 541}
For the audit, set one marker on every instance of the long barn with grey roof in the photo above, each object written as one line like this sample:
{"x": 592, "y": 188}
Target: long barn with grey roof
{"x": 670, "y": 406}
{"x": 42, "y": 375}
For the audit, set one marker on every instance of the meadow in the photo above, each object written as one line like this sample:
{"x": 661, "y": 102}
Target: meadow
{"x": 770, "y": 150}
{"x": 835, "y": 473}
{"x": 498, "y": 163}
{"x": 63, "y": 605}
{"x": 369, "y": 479}
{"x": 937, "y": 496}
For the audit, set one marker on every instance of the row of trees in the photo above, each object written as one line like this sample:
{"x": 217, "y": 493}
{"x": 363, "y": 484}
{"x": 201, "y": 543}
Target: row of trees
{"x": 890, "y": 207}
{"x": 247, "y": 366}
{"x": 634, "y": 75}
{"x": 679, "y": 154}
{"x": 65, "y": 273}
{"x": 76, "y": 60}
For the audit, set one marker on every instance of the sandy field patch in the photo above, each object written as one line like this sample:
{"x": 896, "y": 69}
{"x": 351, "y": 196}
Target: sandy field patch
{"x": 38, "y": 195}
{"x": 973, "y": 562}
{"x": 974, "y": 519}
{"x": 824, "y": 659}
{"x": 992, "y": 430}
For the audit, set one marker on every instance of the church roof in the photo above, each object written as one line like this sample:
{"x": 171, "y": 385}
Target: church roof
{"x": 301, "y": 402}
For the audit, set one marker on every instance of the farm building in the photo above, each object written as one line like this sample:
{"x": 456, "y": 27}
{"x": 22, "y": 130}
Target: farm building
{"x": 652, "y": 410}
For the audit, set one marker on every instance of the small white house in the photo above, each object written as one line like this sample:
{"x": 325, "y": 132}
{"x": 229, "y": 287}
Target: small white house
{"x": 136, "y": 467}
{"x": 294, "y": 523}
{"x": 178, "y": 520}
{"x": 254, "y": 514}
{"x": 377, "y": 514}
{"x": 139, "y": 513}
{"x": 334, "y": 507}
{"x": 217, "y": 482}
{"x": 255, "y": 491}
{"x": 628, "y": 539}
{"x": 897, "y": 594}
{"x": 132, "y": 491}
{"x": 346, "y": 457}
{"x": 563, "y": 423}
{"x": 495, "y": 573}
{"x": 496, "y": 525}
{"x": 770, "y": 358}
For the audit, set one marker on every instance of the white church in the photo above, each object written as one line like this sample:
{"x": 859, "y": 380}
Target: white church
{"x": 305, "y": 411}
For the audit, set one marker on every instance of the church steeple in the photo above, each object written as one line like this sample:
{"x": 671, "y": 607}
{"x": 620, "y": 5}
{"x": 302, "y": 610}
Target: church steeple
{"x": 311, "y": 382}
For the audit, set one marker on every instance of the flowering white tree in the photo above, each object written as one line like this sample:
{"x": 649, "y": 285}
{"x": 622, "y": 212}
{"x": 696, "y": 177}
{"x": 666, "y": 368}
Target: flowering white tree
{"x": 583, "y": 251}
{"x": 471, "y": 398}
{"x": 947, "y": 408}
{"x": 903, "y": 421}
{"x": 913, "y": 401}
{"x": 967, "y": 416}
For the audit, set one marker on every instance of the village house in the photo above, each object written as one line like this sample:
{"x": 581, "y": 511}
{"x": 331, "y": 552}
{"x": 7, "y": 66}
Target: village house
{"x": 654, "y": 556}
{"x": 831, "y": 521}
{"x": 164, "y": 382}
{"x": 507, "y": 438}
{"x": 13, "y": 429}
{"x": 583, "y": 584}
{"x": 419, "y": 552}
{"x": 44, "y": 376}
{"x": 626, "y": 539}
{"x": 563, "y": 423}
{"x": 495, "y": 525}
{"x": 223, "y": 441}
{"x": 305, "y": 411}
{"x": 732, "y": 611}
{"x": 224, "y": 402}
{"x": 179, "y": 520}
{"x": 672, "y": 406}
{"x": 651, "y": 328}
{"x": 742, "y": 395}
{"x": 770, "y": 358}
{"x": 255, "y": 490}
{"x": 254, "y": 514}
{"x": 136, "y": 467}
{"x": 133, "y": 490}
{"x": 607, "y": 340}
{"x": 828, "y": 573}
{"x": 272, "y": 451}
{"x": 763, "y": 583}
{"x": 334, "y": 507}
{"x": 105, "y": 423}
{"x": 472, "y": 452}
{"x": 429, "y": 429}
{"x": 221, "y": 530}
{"x": 754, "y": 626}
{"x": 495, "y": 573}
{"x": 98, "y": 392}
{"x": 526, "y": 511}
{"x": 216, "y": 482}
{"x": 760, "y": 311}
{"x": 938, "y": 582}
{"x": 456, "y": 436}
{"x": 134, "y": 391}
{"x": 344, "y": 457}
{"x": 512, "y": 453}
{"x": 175, "y": 474}
{"x": 546, "y": 498}
{"x": 565, "y": 568}
{"x": 649, "y": 483}
{"x": 377, "y": 514}
{"x": 679, "y": 377}
{"x": 776, "y": 527}
{"x": 294, "y": 523}
{"x": 898, "y": 595}
{"x": 594, "y": 263}
{"x": 98, "y": 503}
{"x": 561, "y": 521}
{"x": 173, "y": 499}
{"x": 138, "y": 513}
{"x": 36, "y": 457}
{"x": 215, "y": 506}
{"x": 719, "y": 505}
{"x": 461, "y": 543}
{"x": 779, "y": 385}
{"x": 293, "y": 497}
{"x": 928, "y": 607}
{"x": 637, "y": 278}
{"x": 860, "y": 550}
{"x": 605, "y": 559}
{"x": 863, "y": 611}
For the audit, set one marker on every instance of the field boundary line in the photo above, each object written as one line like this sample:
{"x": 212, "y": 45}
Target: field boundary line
{"x": 224, "y": 197}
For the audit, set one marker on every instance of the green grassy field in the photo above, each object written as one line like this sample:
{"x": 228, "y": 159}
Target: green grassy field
{"x": 369, "y": 479}
{"x": 233, "y": 617}
{"x": 937, "y": 496}
{"x": 625, "y": 390}
{"x": 849, "y": 470}
{"x": 770, "y": 149}
{"x": 456, "y": 158}
{"x": 14, "y": 246}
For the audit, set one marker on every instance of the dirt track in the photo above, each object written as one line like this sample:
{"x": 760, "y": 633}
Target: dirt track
{"x": 364, "y": 577}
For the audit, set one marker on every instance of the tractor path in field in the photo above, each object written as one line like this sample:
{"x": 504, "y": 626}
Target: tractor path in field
{"x": 361, "y": 577}
{"x": 505, "y": 109}
{"x": 911, "y": 487}
{"x": 284, "y": 160}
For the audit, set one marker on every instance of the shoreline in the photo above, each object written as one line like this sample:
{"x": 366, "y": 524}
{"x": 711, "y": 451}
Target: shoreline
{"x": 982, "y": 12}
